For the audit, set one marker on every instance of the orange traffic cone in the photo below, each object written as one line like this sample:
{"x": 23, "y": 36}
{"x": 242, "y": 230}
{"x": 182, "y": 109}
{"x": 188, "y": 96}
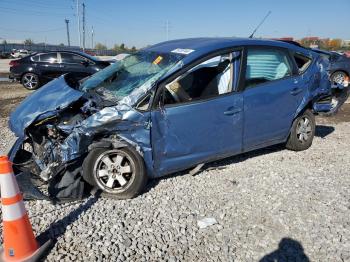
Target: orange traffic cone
{"x": 19, "y": 239}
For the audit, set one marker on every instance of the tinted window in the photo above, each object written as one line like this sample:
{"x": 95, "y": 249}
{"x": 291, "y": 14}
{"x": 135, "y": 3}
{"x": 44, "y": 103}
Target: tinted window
{"x": 72, "y": 58}
{"x": 35, "y": 58}
{"x": 264, "y": 65}
{"x": 50, "y": 58}
{"x": 211, "y": 78}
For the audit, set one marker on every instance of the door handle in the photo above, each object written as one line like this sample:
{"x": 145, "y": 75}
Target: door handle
{"x": 296, "y": 91}
{"x": 232, "y": 111}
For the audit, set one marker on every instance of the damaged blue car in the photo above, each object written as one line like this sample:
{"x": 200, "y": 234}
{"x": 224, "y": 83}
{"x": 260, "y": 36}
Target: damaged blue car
{"x": 169, "y": 107}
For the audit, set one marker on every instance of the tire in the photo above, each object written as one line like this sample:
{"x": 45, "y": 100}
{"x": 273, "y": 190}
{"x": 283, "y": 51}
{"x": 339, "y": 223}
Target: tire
{"x": 119, "y": 173}
{"x": 30, "y": 81}
{"x": 302, "y": 132}
{"x": 339, "y": 77}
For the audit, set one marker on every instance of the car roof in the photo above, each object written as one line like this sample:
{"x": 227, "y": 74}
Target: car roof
{"x": 202, "y": 46}
{"x": 321, "y": 51}
{"x": 68, "y": 51}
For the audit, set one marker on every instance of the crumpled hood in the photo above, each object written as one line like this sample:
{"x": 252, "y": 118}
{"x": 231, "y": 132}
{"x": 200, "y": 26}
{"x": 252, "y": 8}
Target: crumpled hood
{"x": 44, "y": 102}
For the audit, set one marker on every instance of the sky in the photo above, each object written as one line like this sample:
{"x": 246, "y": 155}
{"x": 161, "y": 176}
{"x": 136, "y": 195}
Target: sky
{"x": 144, "y": 22}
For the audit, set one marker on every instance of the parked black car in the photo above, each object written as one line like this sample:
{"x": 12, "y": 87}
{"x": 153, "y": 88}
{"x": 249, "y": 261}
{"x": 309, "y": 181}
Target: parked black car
{"x": 5, "y": 55}
{"x": 37, "y": 69}
{"x": 339, "y": 66}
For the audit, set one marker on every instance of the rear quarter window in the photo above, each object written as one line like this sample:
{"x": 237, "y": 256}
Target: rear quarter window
{"x": 302, "y": 62}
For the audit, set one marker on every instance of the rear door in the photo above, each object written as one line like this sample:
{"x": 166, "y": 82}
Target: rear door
{"x": 271, "y": 97}
{"x": 70, "y": 62}
{"x": 48, "y": 65}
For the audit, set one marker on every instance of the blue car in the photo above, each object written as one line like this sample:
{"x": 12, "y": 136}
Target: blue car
{"x": 169, "y": 107}
{"x": 339, "y": 68}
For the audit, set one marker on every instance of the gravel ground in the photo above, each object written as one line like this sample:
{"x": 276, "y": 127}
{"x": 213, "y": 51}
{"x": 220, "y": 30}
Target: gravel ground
{"x": 267, "y": 204}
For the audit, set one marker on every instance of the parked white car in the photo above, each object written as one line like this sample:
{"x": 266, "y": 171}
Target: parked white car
{"x": 20, "y": 53}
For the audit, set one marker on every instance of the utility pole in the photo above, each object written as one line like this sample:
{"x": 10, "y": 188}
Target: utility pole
{"x": 78, "y": 17}
{"x": 83, "y": 26}
{"x": 67, "y": 27}
{"x": 92, "y": 37}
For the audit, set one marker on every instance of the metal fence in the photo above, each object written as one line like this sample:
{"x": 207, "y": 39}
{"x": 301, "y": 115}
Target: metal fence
{"x": 43, "y": 48}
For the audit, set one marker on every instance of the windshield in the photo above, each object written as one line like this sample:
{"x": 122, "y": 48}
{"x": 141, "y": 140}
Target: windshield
{"x": 134, "y": 71}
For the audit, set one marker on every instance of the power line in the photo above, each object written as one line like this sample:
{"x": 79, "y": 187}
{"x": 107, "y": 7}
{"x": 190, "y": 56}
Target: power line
{"x": 32, "y": 32}
{"x": 36, "y": 5}
{"x": 29, "y": 11}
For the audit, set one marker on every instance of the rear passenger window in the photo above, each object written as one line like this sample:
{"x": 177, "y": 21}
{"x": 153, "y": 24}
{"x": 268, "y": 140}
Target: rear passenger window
{"x": 302, "y": 62}
{"x": 35, "y": 58}
{"x": 264, "y": 65}
{"x": 50, "y": 58}
{"x": 72, "y": 58}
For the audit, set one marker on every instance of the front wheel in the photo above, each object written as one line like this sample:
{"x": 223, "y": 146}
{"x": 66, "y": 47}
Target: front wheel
{"x": 119, "y": 173}
{"x": 30, "y": 81}
{"x": 339, "y": 77}
{"x": 302, "y": 132}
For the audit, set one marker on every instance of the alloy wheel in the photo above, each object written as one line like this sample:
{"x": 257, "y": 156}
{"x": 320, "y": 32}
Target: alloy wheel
{"x": 30, "y": 81}
{"x": 304, "y": 129}
{"x": 114, "y": 171}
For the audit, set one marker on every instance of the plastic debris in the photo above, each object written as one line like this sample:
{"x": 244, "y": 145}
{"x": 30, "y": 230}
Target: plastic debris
{"x": 206, "y": 222}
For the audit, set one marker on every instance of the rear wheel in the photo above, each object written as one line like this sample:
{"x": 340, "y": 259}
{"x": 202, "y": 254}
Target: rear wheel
{"x": 302, "y": 133}
{"x": 30, "y": 81}
{"x": 119, "y": 173}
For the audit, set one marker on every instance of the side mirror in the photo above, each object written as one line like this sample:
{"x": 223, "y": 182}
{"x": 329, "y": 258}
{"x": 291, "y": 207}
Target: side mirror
{"x": 84, "y": 63}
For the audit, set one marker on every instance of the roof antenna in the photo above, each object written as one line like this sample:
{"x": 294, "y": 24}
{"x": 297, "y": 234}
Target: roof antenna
{"x": 262, "y": 21}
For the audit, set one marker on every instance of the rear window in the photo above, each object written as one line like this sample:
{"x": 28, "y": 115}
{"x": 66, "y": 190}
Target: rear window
{"x": 302, "y": 62}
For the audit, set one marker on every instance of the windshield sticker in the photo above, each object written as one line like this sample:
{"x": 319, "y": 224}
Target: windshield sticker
{"x": 182, "y": 51}
{"x": 157, "y": 60}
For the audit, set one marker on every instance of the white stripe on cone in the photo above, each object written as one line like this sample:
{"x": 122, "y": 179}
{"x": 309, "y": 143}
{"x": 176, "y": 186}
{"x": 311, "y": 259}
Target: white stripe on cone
{"x": 13, "y": 212}
{"x": 9, "y": 187}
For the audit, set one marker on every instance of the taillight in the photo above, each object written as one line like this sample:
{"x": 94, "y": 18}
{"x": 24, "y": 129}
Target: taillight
{"x": 14, "y": 63}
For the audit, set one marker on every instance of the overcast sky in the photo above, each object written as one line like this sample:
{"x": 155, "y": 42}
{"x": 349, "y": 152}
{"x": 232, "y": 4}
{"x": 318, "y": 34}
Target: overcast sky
{"x": 143, "y": 22}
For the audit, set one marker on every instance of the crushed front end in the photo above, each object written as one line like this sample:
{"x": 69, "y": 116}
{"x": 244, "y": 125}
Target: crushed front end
{"x": 54, "y": 137}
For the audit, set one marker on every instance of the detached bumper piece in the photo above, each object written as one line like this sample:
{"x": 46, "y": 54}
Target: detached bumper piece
{"x": 330, "y": 104}
{"x": 65, "y": 186}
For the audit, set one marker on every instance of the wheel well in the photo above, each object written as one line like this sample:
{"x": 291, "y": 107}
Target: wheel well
{"x": 28, "y": 72}
{"x": 307, "y": 106}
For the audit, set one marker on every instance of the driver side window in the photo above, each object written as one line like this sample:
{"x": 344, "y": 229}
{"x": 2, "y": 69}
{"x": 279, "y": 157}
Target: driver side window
{"x": 211, "y": 78}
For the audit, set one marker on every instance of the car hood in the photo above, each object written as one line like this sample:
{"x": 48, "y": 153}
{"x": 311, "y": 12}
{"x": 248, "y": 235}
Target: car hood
{"x": 45, "y": 102}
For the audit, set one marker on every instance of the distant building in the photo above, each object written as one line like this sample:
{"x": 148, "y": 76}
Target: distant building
{"x": 346, "y": 43}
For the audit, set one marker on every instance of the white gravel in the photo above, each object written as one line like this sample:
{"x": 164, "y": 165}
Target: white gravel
{"x": 260, "y": 200}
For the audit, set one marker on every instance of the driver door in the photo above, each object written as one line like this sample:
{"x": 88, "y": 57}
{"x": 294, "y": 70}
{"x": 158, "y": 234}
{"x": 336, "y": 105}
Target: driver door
{"x": 202, "y": 121}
